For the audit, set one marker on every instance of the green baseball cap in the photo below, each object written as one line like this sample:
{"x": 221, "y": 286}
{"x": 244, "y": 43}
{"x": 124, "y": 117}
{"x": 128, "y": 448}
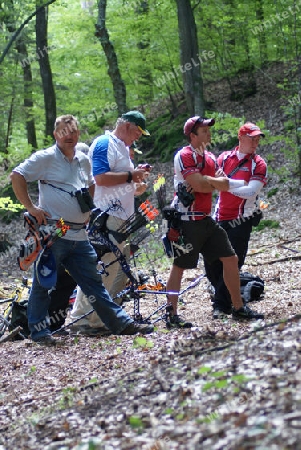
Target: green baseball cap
{"x": 138, "y": 119}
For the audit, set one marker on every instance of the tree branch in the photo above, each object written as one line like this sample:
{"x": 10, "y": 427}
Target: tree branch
{"x": 16, "y": 34}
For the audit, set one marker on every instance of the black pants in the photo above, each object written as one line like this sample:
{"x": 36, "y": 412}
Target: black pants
{"x": 59, "y": 305}
{"x": 239, "y": 236}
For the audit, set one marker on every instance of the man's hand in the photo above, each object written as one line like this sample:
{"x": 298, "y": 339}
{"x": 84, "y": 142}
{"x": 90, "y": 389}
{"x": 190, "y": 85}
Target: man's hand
{"x": 220, "y": 173}
{"x": 146, "y": 167}
{"x": 219, "y": 183}
{"x": 199, "y": 183}
{"x": 39, "y": 214}
{"x": 139, "y": 175}
{"x": 140, "y": 189}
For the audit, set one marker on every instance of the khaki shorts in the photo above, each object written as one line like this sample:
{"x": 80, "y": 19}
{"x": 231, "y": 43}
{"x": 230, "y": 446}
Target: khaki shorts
{"x": 201, "y": 236}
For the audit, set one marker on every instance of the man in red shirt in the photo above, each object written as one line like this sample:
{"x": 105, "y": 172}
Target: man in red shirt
{"x": 195, "y": 168}
{"x": 236, "y": 210}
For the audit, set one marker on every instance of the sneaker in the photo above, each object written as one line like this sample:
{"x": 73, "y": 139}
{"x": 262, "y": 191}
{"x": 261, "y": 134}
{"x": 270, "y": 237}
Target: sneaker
{"x": 176, "y": 321}
{"x": 47, "y": 340}
{"x": 134, "y": 328}
{"x": 246, "y": 313}
{"x": 86, "y": 330}
{"x": 220, "y": 313}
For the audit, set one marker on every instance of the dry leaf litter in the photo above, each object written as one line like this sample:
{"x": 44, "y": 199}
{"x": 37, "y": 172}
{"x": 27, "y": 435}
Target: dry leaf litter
{"x": 222, "y": 385}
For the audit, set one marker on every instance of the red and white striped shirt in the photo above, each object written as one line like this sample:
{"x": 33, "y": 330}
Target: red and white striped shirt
{"x": 186, "y": 162}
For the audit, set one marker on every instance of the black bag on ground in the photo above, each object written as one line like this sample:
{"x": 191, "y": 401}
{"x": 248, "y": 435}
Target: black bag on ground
{"x": 257, "y": 217}
{"x": 19, "y": 318}
{"x": 251, "y": 287}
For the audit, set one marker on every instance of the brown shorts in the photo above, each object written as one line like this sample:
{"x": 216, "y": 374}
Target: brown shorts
{"x": 201, "y": 236}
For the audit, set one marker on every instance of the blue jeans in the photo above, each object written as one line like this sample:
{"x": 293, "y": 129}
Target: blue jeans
{"x": 80, "y": 259}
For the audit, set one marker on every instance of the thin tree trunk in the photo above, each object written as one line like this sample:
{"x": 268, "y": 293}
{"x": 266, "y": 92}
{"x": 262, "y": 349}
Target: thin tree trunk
{"x": 28, "y": 102}
{"x": 113, "y": 68}
{"x": 261, "y": 37}
{"x": 189, "y": 57}
{"x": 45, "y": 70}
{"x": 298, "y": 121}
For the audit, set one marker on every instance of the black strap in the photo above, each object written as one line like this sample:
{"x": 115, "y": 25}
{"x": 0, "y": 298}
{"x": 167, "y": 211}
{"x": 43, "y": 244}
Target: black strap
{"x": 241, "y": 163}
{"x": 56, "y": 187}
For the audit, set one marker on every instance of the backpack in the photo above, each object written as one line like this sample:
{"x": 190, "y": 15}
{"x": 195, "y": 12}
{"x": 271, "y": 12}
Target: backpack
{"x": 251, "y": 287}
{"x": 19, "y": 318}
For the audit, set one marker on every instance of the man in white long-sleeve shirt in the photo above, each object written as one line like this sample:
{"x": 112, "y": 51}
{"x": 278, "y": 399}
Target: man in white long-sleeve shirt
{"x": 236, "y": 211}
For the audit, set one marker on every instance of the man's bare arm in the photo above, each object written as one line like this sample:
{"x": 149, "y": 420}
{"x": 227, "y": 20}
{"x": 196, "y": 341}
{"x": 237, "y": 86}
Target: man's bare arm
{"x": 114, "y": 178}
{"x": 199, "y": 183}
{"x": 219, "y": 183}
{"x": 92, "y": 190}
{"x": 19, "y": 185}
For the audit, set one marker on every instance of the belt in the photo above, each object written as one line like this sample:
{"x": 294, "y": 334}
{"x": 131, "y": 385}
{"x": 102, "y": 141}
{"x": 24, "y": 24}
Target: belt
{"x": 71, "y": 225}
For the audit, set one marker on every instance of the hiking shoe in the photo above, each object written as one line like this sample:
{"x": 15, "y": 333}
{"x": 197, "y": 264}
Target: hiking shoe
{"x": 246, "y": 313}
{"x": 176, "y": 321}
{"x": 47, "y": 340}
{"x": 134, "y": 328}
{"x": 220, "y": 313}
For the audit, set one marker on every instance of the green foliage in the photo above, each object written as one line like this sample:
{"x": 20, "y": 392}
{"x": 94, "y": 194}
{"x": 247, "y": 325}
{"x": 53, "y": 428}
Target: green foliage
{"x": 142, "y": 342}
{"x": 166, "y": 137}
{"x": 154, "y": 253}
{"x": 220, "y": 379}
{"x": 204, "y": 369}
{"x": 135, "y": 422}
{"x": 31, "y": 371}
{"x": 150, "y": 67}
{"x": 67, "y": 400}
{"x": 272, "y": 192}
{"x": 9, "y": 210}
{"x": 267, "y": 223}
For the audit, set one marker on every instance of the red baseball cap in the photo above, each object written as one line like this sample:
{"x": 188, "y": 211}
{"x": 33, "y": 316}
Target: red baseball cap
{"x": 250, "y": 129}
{"x": 194, "y": 122}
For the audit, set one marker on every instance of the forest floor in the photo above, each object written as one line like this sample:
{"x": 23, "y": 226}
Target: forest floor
{"x": 221, "y": 385}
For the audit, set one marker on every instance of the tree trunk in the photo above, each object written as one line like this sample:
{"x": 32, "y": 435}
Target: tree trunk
{"x": 261, "y": 37}
{"x": 28, "y": 102}
{"x": 189, "y": 57}
{"x": 145, "y": 77}
{"x": 298, "y": 121}
{"x": 45, "y": 70}
{"x": 108, "y": 48}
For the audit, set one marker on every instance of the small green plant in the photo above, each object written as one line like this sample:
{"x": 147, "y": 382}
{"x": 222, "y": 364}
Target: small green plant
{"x": 220, "y": 379}
{"x": 31, "y": 371}
{"x": 93, "y": 380}
{"x": 267, "y": 223}
{"x": 142, "y": 342}
{"x": 272, "y": 192}
{"x": 204, "y": 369}
{"x": 136, "y": 422}
{"x": 68, "y": 397}
{"x": 155, "y": 250}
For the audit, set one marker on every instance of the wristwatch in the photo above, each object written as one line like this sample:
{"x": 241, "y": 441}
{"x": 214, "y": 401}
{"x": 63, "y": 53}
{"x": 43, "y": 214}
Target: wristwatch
{"x": 130, "y": 177}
